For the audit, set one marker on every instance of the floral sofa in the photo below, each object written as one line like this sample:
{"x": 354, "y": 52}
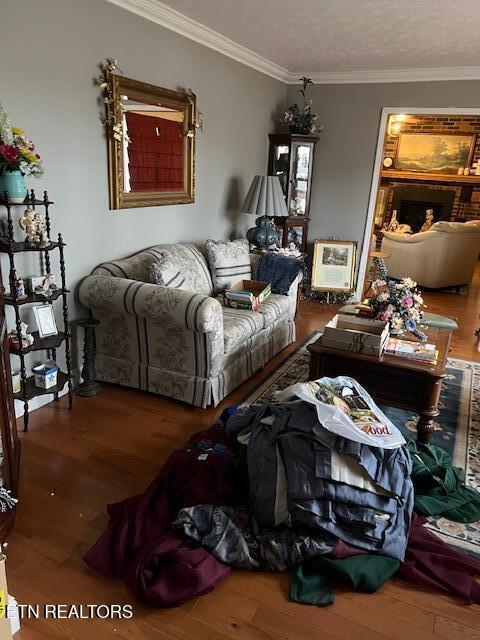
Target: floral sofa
{"x": 180, "y": 343}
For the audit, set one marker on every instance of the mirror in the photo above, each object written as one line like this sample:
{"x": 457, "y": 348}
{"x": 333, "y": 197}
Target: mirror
{"x": 151, "y": 144}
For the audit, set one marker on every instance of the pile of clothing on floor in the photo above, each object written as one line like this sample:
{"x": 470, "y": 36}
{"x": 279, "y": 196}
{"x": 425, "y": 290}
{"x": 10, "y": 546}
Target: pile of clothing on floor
{"x": 320, "y": 483}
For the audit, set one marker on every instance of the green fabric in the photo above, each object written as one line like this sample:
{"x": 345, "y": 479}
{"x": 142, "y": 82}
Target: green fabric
{"x": 429, "y": 319}
{"x": 314, "y": 581}
{"x": 439, "y": 486}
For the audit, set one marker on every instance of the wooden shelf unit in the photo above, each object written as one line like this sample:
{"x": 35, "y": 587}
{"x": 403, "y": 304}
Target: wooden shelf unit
{"x": 50, "y": 344}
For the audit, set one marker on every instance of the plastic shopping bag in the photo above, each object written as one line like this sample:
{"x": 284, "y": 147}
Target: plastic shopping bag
{"x": 345, "y": 408}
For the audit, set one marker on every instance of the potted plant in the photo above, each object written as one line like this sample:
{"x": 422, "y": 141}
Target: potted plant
{"x": 302, "y": 120}
{"x": 17, "y": 160}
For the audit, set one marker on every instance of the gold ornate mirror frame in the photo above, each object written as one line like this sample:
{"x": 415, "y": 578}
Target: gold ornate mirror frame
{"x": 116, "y": 87}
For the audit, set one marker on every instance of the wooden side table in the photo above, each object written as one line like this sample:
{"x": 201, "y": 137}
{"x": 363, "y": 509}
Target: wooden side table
{"x": 389, "y": 379}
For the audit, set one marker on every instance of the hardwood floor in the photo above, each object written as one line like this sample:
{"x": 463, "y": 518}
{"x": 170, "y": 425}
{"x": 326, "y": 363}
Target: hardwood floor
{"x": 110, "y": 447}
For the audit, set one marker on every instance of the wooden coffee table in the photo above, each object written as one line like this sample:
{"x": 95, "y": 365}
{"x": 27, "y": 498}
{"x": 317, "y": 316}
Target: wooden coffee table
{"x": 391, "y": 380}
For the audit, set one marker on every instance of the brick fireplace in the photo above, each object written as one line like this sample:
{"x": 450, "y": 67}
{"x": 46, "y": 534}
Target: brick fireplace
{"x": 449, "y": 201}
{"x": 412, "y": 201}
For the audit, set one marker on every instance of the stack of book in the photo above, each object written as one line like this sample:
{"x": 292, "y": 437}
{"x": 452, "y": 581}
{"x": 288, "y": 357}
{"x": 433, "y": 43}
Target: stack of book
{"x": 418, "y": 351}
{"x": 240, "y": 299}
{"x": 246, "y": 294}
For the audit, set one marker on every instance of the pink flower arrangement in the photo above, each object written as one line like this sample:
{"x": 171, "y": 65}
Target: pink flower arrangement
{"x": 17, "y": 152}
{"x": 398, "y": 303}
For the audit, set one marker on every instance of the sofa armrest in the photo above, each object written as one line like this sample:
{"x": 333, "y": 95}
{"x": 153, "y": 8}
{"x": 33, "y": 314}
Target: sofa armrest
{"x": 193, "y": 311}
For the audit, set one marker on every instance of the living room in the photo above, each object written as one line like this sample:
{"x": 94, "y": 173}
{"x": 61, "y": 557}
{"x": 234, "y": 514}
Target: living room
{"x": 163, "y": 364}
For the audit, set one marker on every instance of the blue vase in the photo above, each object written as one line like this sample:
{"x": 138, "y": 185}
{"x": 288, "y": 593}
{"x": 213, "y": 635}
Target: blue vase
{"x": 14, "y": 183}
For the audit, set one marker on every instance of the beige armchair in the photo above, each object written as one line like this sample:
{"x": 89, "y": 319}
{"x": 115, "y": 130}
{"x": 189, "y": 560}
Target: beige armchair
{"x": 443, "y": 256}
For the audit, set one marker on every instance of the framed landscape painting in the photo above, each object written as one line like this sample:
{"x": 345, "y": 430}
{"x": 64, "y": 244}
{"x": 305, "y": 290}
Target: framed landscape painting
{"x": 333, "y": 265}
{"x": 434, "y": 152}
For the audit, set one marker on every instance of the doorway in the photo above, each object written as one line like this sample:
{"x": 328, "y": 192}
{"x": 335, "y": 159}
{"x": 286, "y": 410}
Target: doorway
{"x": 426, "y": 174}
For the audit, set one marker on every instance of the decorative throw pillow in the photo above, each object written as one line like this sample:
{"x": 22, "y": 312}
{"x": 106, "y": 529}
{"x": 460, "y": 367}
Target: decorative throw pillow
{"x": 165, "y": 273}
{"x": 229, "y": 262}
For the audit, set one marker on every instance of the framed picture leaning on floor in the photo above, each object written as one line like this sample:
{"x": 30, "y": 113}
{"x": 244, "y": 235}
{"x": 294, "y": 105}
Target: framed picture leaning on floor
{"x": 333, "y": 265}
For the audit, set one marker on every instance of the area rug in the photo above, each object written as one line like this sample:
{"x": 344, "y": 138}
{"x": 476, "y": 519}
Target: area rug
{"x": 457, "y": 428}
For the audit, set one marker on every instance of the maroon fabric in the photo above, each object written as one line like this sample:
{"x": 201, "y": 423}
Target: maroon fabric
{"x": 429, "y": 562}
{"x": 173, "y": 571}
{"x": 134, "y": 542}
{"x": 343, "y": 550}
{"x": 162, "y": 568}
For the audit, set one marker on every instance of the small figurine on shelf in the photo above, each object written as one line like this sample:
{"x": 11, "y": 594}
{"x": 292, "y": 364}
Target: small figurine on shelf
{"x": 19, "y": 285}
{"x": 27, "y": 338}
{"x": 46, "y": 286}
{"x": 35, "y": 227}
{"x": 42, "y": 235}
{"x": 428, "y": 220}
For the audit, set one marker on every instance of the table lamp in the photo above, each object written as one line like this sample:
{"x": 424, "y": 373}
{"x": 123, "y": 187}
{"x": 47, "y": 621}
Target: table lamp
{"x": 264, "y": 198}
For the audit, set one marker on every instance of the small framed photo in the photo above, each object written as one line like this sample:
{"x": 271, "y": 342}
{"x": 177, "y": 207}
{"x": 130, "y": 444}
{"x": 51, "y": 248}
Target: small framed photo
{"x": 334, "y": 265}
{"x": 45, "y": 320}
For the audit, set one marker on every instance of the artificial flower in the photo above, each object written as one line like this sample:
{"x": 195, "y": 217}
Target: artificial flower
{"x": 9, "y": 153}
{"x": 406, "y": 301}
{"x": 410, "y": 324}
{"x": 396, "y": 302}
{"x": 384, "y": 315}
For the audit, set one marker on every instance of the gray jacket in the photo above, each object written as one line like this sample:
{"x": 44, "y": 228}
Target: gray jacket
{"x": 292, "y": 479}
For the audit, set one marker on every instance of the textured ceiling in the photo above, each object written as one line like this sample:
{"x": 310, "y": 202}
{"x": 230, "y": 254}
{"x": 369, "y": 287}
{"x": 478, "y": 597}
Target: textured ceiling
{"x": 347, "y": 35}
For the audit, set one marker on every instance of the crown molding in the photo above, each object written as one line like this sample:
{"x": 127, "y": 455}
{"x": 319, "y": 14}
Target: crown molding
{"x": 389, "y": 75}
{"x": 161, "y": 14}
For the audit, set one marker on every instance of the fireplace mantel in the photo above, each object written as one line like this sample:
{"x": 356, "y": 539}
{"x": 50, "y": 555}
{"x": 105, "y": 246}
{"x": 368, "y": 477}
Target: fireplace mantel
{"x": 430, "y": 178}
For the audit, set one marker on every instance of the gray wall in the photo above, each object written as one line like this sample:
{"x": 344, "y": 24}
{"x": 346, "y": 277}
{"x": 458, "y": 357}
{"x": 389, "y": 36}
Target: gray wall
{"x": 49, "y": 57}
{"x": 345, "y": 153}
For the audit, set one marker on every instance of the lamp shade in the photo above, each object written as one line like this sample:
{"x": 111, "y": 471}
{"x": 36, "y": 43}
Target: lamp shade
{"x": 265, "y": 197}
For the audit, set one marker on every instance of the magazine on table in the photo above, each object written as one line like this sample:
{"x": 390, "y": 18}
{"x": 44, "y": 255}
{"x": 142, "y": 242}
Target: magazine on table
{"x": 413, "y": 350}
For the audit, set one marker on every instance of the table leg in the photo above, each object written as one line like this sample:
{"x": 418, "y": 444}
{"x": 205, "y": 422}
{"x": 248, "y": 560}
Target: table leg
{"x": 425, "y": 428}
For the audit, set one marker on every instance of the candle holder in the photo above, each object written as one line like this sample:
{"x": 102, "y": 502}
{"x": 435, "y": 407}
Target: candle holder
{"x": 89, "y": 387}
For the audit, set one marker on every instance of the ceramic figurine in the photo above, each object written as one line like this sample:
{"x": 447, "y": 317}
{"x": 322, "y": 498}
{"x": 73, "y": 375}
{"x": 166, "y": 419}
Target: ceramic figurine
{"x": 428, "y": 220}
{"x": 47, "y": 287}
{"x": 42, "y": 235}
{"x": 19, "y": 287}
{"x": 27, "y": 224}
{"x": 393, "y": 224}
{"x": 27, "y": 338}
{"x": 34, "y": 225}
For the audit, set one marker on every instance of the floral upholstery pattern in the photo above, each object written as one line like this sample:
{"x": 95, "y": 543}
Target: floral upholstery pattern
{"x": 229, "y": 262}
{"x": 186, "y": 257}
{"x": 165, "y": 273}
{"x": 239, "y": 325}
{"x": 180, "y": 343}
{"x": 276, "y": 306}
